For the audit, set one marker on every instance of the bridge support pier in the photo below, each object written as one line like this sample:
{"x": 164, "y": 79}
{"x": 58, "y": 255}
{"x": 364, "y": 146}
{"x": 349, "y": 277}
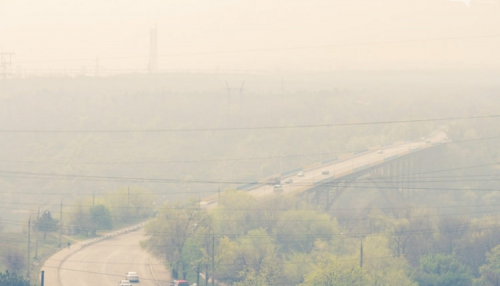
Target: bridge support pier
{"x": 397, "y": 178}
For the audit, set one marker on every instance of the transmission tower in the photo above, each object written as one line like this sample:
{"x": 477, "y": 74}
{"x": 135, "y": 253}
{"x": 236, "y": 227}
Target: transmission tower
{"x": 153, "y": 50}
{"x": 5, "y": 64}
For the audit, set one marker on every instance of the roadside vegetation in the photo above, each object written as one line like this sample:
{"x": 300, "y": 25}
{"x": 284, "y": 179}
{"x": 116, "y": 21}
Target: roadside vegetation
{"x": 83, "y": 219}
{"x": 282, "y": 240}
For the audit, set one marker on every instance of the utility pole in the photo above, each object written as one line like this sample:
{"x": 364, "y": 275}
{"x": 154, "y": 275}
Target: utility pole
{"x": 29, "y": 255}
{"x": 61, "y": 222}
{"x": 36, "y": 233}
{"x": 128, "y": 202}
{"x": 42, "y": 281}
{"x": 361, "y": 254}
{"x": 213, "y": 259}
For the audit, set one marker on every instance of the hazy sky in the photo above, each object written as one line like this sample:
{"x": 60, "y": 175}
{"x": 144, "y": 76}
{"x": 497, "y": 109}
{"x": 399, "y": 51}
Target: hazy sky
{"x": 251, "y": 34}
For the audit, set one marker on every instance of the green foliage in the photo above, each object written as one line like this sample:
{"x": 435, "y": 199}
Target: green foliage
{"x": 297, "y": 230}
{"x": 336, "y": 272}
{"x": 12, "y": 279}
{"x": 298, "y": 245}
{"x": 483, "y": 236}
{"x": 452, "y": 229}
{"x": 253, "y": 257}
{"x": 123, "y": 206}
{"x": 130, "y": 203}
{"x": 100, "y": 218}
{"x": 229, "y": 218}
{"x": 490, "y": 272}
{"x": 381, "y": 266}
{"x": 192, "y": 256}
{"x": 80, "y": 219}
{"x": 330, "y": 270}
{"x": 168, "y": 233}
{"x": 442, "y": 270}
{"x": 295, "y": 267}
{"x": 46, "y": 224}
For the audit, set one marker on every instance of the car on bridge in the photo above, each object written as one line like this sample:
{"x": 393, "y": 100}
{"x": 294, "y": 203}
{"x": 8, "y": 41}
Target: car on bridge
{"x": 325, "y": 172}
{"x": 125, "y": 283}
{"x": 272, "y": 180}
{"x": 300, "y": 174}
{"x": 278, "y": 188}
{"x": 133, "y": 277}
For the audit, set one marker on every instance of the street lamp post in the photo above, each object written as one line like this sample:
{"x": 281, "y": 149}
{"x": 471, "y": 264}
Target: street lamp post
{"x": 128, "y": 202}
{"x": 36, "y": 233}
{"x": 61, "y": 221}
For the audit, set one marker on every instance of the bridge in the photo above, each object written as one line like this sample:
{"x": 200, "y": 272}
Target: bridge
{"x": 324, "y": 182}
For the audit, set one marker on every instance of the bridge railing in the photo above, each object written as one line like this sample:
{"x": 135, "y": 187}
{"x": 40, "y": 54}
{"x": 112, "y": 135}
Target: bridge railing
{"x": 316, "y": 165}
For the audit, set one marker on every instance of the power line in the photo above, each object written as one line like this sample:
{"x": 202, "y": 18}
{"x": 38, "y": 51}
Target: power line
{"x": 217, "y": 160}
{"x": 279, "y": 49}
{"x": 218, "y": 129}
{"x": 461, "y": 214}
{"x": 52, "y": 176}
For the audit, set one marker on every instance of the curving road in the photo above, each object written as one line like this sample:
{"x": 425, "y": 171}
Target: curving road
{"x": 107, "y": 262}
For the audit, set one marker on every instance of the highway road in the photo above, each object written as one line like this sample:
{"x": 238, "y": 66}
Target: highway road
{"x": 108, "y": 261}
{"x": 344, "y": 167}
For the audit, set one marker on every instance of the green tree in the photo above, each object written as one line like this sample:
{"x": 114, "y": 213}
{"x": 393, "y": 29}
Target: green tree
{"x": 401, "y": 236}
{"x": 251, "y": 260}
{"x": 442, "y": 270}
{"x": 297, "y": 230}
{"x": 331, "y": 270}
{"x": 453, "y": 229}
{"x": 490, "y": 272}
{"x": 192, "y": 257}
{"x": 296, "y": 267}
{"x": 130, "y": 202}
{"x": 167, "y": 234}
{"x": 485, "y": 235}
{"x": 12, "y": 279}
{"x": 236, "y": 214}
{"x": 382, "y": 267}
{"x": 100, "y": 218}
{"x": 270, "y": 210}
{"x": 80, "y": 219}
{"x": 46, "y": 224}
{"x": 420, "y": 242}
